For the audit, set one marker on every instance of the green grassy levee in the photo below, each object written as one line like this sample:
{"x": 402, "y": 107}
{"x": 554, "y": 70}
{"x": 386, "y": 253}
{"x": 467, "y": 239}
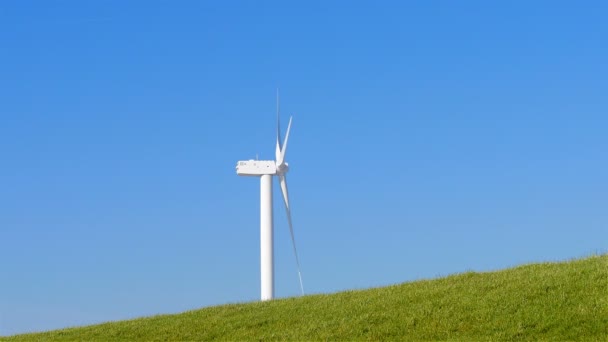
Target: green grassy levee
{"x": 546, "y": 301}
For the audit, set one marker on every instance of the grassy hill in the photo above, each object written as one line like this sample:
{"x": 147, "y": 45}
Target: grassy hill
{"x": 548, "y": 301}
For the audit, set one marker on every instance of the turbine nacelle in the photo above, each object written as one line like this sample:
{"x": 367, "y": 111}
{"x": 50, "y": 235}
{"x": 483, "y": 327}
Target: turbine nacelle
{"x": 256, "y": 167}
{"x": 260, "y": 167}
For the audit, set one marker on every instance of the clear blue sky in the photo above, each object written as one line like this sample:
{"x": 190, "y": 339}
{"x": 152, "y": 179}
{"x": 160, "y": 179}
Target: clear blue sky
{"x": 429, "y": 138}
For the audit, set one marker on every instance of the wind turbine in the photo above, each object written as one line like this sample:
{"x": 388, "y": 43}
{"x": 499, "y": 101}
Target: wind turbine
{"x": 265, "y": 169}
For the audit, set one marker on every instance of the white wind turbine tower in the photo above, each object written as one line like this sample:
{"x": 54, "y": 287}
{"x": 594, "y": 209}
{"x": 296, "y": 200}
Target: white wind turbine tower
{"x": 265, "y": 169}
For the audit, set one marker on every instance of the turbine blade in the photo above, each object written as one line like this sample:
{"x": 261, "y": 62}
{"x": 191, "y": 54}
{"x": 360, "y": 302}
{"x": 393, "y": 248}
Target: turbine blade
{"x": 278, "y": 146}
{"x": 281, "y": 158}
{"x": 283, "y": 183}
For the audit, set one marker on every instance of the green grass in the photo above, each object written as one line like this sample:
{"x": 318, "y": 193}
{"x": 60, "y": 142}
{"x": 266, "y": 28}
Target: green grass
{"x": 547, "y": 301}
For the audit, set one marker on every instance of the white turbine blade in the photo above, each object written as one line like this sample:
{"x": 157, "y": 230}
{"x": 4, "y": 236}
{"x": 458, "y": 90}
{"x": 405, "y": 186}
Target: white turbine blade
{"x": 278, "y": 147}
{"x": 283, "y": 183}
{"x": 281, "y": 157}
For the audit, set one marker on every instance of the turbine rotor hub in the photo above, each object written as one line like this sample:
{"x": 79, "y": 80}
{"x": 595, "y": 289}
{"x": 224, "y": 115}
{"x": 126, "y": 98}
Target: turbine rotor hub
{"x": 282, "y": 168}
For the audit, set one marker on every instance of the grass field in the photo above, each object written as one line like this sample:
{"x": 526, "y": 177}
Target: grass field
{"x": 547, "y": 301}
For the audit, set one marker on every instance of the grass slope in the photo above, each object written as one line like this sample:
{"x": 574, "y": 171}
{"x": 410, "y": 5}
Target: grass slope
{"x": 548, "y": 301}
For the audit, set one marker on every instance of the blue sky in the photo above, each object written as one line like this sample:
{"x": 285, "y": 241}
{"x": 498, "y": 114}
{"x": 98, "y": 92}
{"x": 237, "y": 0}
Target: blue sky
{"x": 429, "y": 138}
